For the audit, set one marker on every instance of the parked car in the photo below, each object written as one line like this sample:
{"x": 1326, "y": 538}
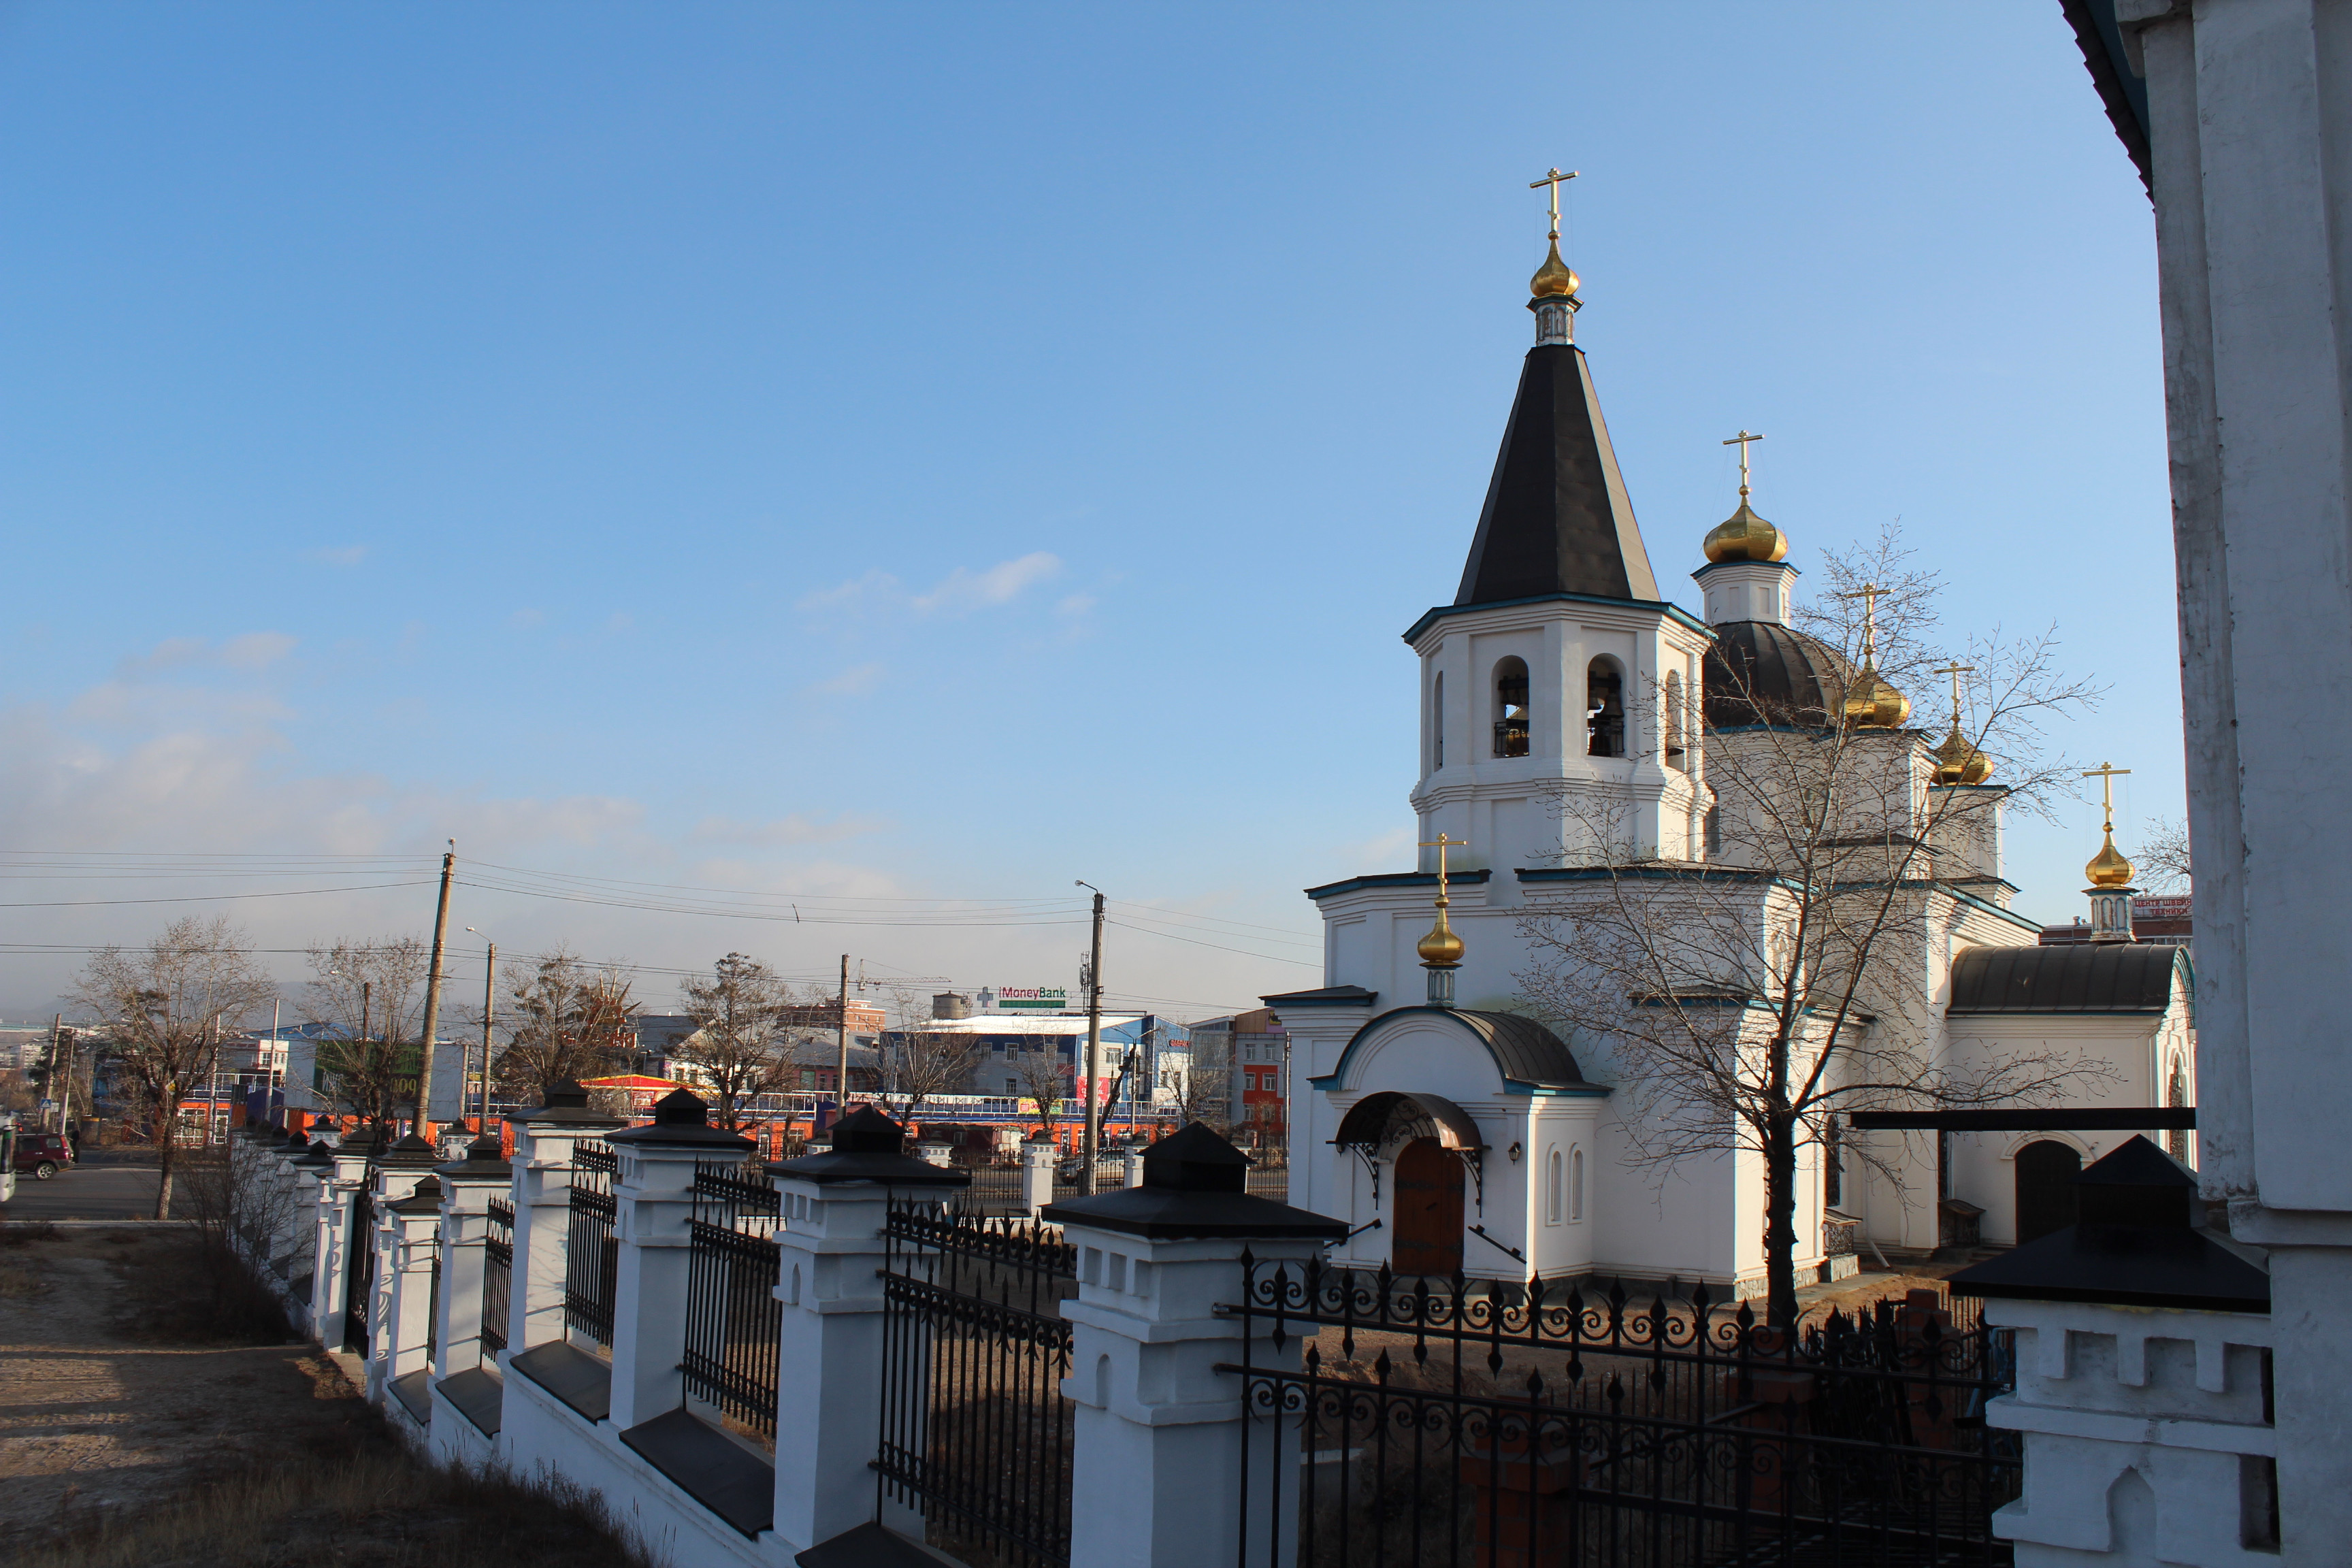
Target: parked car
{"x": 41, "y": 1155}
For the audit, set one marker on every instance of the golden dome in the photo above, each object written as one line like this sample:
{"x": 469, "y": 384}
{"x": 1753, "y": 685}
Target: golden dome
{"x": 1957, "y": 763}
{"x": 1441, "y": 949}
{"x": 1744, "y": 536}
{"x": 1554, "y": 279}
{"x": 2108, "y": 868}
{"x": 1872, "y": 704}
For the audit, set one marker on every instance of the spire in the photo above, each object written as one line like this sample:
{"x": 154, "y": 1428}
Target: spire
{"x": 1557, "y": 518}
{"x": 1956, "y": 761}
{"x": 1441, "y": 950}
{"x": 1744, "y": 536}
{"x": 2109, "y": 873}
{"x": 1870, "y": 702}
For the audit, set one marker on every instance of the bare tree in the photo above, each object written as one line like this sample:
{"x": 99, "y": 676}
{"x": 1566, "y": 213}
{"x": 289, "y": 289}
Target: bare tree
{"x": 1200, "y": 1093}
{"x": 164, "y": 1007}
{"x": 738, "y": 1041}
{"x": 2161, "y": 858}
{"x": 1044, "y": 1079}
{"x": 564, "y": 1020}
{"x": 370, "y": 991}
{"x": 1748, "y": 1000}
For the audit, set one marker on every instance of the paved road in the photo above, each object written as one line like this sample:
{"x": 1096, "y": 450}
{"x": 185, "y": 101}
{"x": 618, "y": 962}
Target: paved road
{"x": 86, "y": 1192}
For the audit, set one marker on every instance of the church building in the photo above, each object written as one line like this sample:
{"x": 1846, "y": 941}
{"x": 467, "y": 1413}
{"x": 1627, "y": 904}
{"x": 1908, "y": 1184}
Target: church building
{"x": 1437, "y": 1112}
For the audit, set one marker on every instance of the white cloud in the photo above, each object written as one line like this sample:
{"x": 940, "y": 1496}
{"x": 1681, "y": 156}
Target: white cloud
{"x": 348, "y": 555}
{"x": 250, "y": 650}
{"x": 856, "y": 681}
{"x": 960, "y": 591}
{"x": 856, "y": 591}
{"x": 800, "y": 827}
{"x": 523, "y": 620}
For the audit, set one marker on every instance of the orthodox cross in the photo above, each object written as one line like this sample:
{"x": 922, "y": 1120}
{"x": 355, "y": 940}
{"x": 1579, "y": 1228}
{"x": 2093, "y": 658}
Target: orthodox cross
{"x": 1442, "y": 844}
{"x": 1956, "y": 670}
{"x": 1741, "y": 441}
{"x": 2107, "y": 774}
{"x": 1869, "y": 594}
{"x": 1554, "y": 179}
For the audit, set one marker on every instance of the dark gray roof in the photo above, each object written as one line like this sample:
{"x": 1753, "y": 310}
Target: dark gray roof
{"x": 1323, "y": 996}
{"x": 1761, "y": 672}
{"x": 1525, "y": 1049}
{"x": 2088, "y": 978}
{"x": 2123, "y": 92}
{"x": 1557, "y": 520}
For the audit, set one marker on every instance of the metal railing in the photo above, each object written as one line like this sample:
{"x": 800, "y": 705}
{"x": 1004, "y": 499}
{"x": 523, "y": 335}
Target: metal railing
{"x": 733, "y": 1316}
{"x": 591, "y": 1258}
{"x": 976, "y": 1432}
{"x": 1464, "y": 1422}
{"x": 497, "y": 1276}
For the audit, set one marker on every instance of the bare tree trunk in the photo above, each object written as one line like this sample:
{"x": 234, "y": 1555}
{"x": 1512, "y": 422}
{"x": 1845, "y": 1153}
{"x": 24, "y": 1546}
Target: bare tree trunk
{"x": 167, "y": 1127}
{"x": 1779, "y": 1221}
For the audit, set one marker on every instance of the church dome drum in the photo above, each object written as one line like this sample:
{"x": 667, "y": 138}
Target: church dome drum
{"x": 1760, "y": 672}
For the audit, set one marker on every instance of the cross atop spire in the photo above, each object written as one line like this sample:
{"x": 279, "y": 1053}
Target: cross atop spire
{"x": 2107, "y": 774}
{"x": 1554, "y": 179}
{"x": 1955, "y": 669}
{"x": 1741, "y": 441}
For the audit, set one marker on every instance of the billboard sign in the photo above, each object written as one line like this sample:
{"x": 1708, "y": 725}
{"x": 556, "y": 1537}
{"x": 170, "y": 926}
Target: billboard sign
{"x": 1032, "y": 999}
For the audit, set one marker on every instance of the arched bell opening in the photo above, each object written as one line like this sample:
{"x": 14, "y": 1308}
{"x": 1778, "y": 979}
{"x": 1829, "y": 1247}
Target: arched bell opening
{"x": 1513, "y": 728}
{"x": 1604, "y": 709}
{"x": 1677, "y": 742}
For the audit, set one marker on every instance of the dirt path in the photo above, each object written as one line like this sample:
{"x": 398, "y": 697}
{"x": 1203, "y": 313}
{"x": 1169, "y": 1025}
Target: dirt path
{"x": 96, "y": 1417}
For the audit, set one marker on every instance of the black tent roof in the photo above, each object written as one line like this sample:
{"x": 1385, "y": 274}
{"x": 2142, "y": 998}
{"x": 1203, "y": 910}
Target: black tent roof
{"x": 1557, "y": 520}
{"x": 2081, "y": 977}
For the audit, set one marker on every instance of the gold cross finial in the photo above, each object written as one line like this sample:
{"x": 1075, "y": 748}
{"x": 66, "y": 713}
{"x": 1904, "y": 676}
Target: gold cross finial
{"x": 1956, "y": 670}
{"x": 1442, "y": 844}
{"x": 1869, "y": 594}
{"x": 1741, "y": 441}
{"x": 2107, "y": 774}
{"x": 1554, "y": 179}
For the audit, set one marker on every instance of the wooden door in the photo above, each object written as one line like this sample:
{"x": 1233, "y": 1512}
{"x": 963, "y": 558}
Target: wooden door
{"x": 1428, "y": 1210}
{"x": 2045, "y": 1188}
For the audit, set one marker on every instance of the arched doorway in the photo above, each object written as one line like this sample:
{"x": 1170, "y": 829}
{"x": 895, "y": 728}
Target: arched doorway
{"x": 2045, "y": 1188}
{"x": 1428, "y": 1210}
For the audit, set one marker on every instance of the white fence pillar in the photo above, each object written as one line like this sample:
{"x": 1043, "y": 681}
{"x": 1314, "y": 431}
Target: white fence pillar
{"x": 1038, "y": 1157}
{"x": 542, "y": 1205}
{"x": 411, "y": 1226}
{"x": 1157, "y": 1475}
{"x": 653, "y": 1202}
{"x": 339, "y": 1234}
{"x": 397, "y": 1176}
{"x": 830, "y": 1252}
{"x": 468, "y": 1185}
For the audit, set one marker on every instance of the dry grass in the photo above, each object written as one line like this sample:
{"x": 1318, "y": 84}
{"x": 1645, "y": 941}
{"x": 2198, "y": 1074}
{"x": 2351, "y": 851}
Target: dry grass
{"x": 374, "y": 1506}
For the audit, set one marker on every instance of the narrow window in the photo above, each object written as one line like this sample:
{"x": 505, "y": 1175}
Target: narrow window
{"x": 1437, "y": 724}
{"x": 1604, "y": 710}
{"x": 2176, "y": 1093}
{"x": 1673, "y": 725}
{"x": 1576, "y": 1185}
{"x": 1511, "y": 732}
{"x": 1834, "y": 1166}
{"x": 1552, "y": 1188}
{"x": 1715, "y": 830}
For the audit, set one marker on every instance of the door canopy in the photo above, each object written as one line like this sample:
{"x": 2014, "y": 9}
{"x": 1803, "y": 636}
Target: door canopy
{"x": 1390, "y": 1118}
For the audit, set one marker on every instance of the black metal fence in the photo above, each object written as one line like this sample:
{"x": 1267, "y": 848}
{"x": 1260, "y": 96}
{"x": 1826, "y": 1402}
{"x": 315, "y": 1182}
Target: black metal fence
{"x": 497, "y": 1277}
{"x": 1469, "y": 1424}
{"x": 591, "y": 1259}
{"x": 975, "y": 1429}
{"x": 733, "y": 1317}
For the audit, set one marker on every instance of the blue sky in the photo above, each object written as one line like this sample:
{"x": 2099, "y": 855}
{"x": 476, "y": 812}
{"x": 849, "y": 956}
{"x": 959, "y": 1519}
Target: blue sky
{"x": 898, "y": 453}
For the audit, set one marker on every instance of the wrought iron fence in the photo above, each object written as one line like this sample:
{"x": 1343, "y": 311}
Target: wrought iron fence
{"x": 733, "y": 1317}
{"x": 497, "y": 1276}
{"x": 975, "y": 1429}
{"x": 591, "y": 1259}
{"x": 1466, "y": 1422}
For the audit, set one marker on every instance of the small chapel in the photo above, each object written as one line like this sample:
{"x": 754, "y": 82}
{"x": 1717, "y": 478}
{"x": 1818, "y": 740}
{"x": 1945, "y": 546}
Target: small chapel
{"x": 1432, "y": 1107}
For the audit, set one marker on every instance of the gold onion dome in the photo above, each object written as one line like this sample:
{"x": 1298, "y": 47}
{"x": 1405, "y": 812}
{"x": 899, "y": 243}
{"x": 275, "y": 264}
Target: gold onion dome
{"x": 1957, "y": 763}
{"x": 1555, "y": 280}
{"x": 2108, "y": 868}
{"x": 1744, "y": 536}
{"x": 1872, "y": 704}
{"x": 1441, "y": 948}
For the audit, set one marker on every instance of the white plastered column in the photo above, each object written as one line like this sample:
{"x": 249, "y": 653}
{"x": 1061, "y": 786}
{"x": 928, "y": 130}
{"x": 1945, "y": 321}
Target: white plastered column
{"x": 653, "y": 1202}
{"x": 544, "y": 1139}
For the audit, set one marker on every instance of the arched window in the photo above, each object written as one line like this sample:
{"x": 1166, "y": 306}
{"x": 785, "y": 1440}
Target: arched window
{"x": 1437, "y": 724}
{"x": 1511, "y": 728}
{"x": 1576, "y": 1183}
{"x": 1714, "y": 829}
{"x": 1604, "y": 709}
{"x": 1552, "y": 1185}
{"x": 1834, "y": 1165}
{"x": 2176, "y": 1093}
{"x": 1674, "y": 716}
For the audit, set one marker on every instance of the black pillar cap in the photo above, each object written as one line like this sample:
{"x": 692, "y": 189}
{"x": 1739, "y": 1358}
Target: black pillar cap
{"x": 867, "y": 1146}
{"x": 682, "y": 1119}
{"x": 1193, "y": 1186}
{"x": 411, "y": 1153}
{"x": 425, "y": 1198}
{"x": 567, "y": 1104}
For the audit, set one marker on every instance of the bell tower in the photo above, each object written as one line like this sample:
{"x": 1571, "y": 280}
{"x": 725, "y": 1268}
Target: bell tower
{"x": 1554, "y": 688}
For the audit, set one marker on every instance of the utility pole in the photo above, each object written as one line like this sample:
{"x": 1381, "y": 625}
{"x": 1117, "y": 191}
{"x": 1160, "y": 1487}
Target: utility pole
{"x": 841, "y": 1047}
{"x": 433, "y": 1004}
{"x": 57, "y": 1031}
{"x": 490, "y": 1012}
{"x": 1094, "y": 1049}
